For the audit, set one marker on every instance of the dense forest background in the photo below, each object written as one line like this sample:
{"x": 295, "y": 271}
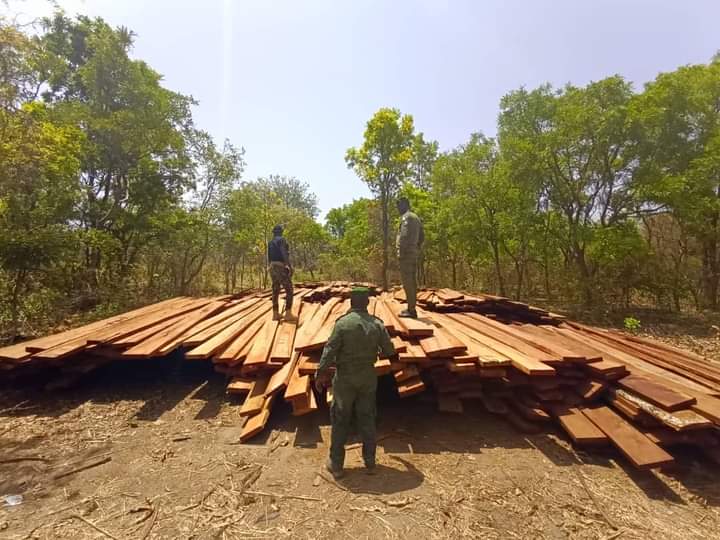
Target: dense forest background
{"x": 111, "y": 196}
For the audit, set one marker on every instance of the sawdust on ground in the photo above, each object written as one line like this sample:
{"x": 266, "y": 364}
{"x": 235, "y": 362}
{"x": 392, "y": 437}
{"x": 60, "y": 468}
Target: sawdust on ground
{"x": 161, "y": 444}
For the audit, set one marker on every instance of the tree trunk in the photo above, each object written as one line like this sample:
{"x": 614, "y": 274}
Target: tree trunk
{"x": 242, "y": 271}
{"x": 520, "y": 273}
{"x": 585, "y": 276}
{"x": 15, "y": 293}
{"x": 233, "y": 280}
{"x": 384, "y": 203}
{"x": 710, "y": 273}
{"x": 498, "y": 270}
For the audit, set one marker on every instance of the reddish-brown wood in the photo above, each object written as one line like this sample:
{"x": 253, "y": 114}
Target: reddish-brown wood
{"x": 581, "y": 430}
{"x": 166, "y": 340}
{"x": 656, "y": 393}
{"x": 640, "y": 450}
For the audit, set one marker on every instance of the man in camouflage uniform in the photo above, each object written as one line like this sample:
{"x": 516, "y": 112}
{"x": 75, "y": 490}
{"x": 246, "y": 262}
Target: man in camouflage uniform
{"x": 410, "y": 239}
{"x": 353, "y": 348}
{"x": 280, "y": 273}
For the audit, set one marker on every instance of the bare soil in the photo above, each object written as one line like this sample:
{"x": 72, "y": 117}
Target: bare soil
{"x": 163, "y": 439}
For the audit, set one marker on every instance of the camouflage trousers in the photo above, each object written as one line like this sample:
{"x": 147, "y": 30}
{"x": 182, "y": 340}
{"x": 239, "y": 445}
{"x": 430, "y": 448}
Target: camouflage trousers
{"x": 280, "y": 276}
{"x": 353, "y": 399}
{"x": 408, "y": 276}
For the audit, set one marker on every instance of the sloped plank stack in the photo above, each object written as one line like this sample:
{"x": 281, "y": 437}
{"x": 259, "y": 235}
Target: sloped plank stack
{"x": 530, "y": 366}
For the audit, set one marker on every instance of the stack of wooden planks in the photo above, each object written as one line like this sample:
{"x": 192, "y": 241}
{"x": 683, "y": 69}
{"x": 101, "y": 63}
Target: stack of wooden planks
{"x": 532, "y": 367}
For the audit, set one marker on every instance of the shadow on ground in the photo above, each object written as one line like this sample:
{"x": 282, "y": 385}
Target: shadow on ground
{"x": 405, "y": 426}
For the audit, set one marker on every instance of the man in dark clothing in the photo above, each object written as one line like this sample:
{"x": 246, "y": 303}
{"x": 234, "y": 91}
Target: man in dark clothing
{"x": 352, "y": 349}
{"x": 281, "y": 272}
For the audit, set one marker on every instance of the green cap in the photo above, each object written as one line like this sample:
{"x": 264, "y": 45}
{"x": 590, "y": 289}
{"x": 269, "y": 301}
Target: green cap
{"x": 360, "y": 291}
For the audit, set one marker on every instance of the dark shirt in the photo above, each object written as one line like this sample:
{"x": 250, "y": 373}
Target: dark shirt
{"x": 278, "y": 250}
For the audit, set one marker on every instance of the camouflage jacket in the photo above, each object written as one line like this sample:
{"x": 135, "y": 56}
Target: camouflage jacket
{"x": 410, "y": 236}
{"x": 354, "y": 344}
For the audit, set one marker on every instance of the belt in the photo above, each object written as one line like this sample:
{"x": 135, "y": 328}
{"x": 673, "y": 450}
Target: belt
{"x": 277, "y": 263}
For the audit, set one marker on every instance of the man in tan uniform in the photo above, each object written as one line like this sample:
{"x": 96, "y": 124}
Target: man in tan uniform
{"x": 409, "y": 242}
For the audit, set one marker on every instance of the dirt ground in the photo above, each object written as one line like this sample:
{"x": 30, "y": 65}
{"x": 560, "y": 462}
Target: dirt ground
{"x": 160, "y": 439}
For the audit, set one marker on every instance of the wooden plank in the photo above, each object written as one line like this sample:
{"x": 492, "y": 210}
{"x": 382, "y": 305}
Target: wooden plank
{"x": 238, "y": 385}
{"x": 410, "y": 387}
{"x": 298, "y": 385}
{"x": 449, "y": 295}
{"x": 236, "y": 350}
{"x": 460, "y": 367}
{"x": 657, "y": 394}
{"x": 221, "y": 340}
{"x": 678, "y": 420}
{"x": 256, "y": 423}
{"x": 213, "y": 326}
{"x": 442, "y": 343}
{"x": 707, "y": 374}
{"x": 137, "y": 337}
{"x": 22, "y": 350}
{"x": 484, "y": 325}
{"x": 640, "y": 451}
{"x": 612, "y": 362}
{"x": 408, "y": 372}
{"x": 256, "y": 398}
{"x": 666, "y": 347}
{"x": 581, "y": 430}
{"x": 282, "y": 347}
{"x": 115, "y": 331}
{"x": 409, "y": 326}
{"x": 216, "y": 324}
{"x": 281, "y": 377}
{"x": 532, "y": 414}
{"x": 708, "y": 406}
{"x": 521, "y": 361}
{"x": 590, "y": 390}
{"x": 486, "y": 357}
{"x": 140, "y": 323}
{"x": 165, "y": 341}
{"x": 301, "y": 407}
{"x": 304, "y": 337}
{"x": 399, "y": 344}
{"x": 323, "y": 334}
{"x": 546, "y": 341}
{"x": 583, "y": 346}
{"x": 309, "y": 364}
{"x": 383, "y": 366}
{"x": 263, "y": 342}
{"x": 414, "y": 353}
{"x": 382, "y": 313}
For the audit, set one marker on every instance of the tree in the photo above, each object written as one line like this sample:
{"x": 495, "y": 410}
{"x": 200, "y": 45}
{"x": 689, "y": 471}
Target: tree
{"x": 423, "y": 158}
{"x": 135, "y": 160}
{"x": 291, "y": 193}
{"x": 39, "y": 161}
{"x": 353, "y": 229}
{"x": 677, "y": 128}
{"x": 383, "y": 162}
{"x": 577, "y": 144}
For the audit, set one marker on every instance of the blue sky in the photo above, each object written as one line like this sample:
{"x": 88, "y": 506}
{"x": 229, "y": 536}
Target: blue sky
{"x": 294, "y": 81}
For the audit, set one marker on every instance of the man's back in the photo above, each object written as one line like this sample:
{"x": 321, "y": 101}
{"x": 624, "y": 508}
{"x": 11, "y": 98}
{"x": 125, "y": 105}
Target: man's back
{"x": 354, "y": 344}
{"x": 411, "y": 235}
{"x": 360, "y": 338}
{"x": 278, "y": 250}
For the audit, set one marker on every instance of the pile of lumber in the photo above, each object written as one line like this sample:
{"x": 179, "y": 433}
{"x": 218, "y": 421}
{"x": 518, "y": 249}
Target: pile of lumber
{"x": 532, "y": 367}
